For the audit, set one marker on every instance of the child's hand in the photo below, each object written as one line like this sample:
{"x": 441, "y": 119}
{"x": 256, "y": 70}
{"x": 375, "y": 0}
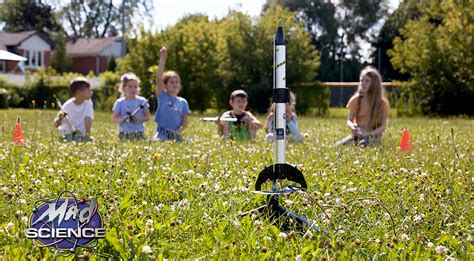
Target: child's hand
{"x": 125, "y": 118}
{"x": 62, "y": 115}
{"x": 359, "y": 132}
{"x": 163, "y": 52}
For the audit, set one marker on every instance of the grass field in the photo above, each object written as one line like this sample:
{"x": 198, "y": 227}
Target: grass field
{"x": 184, "y": 200}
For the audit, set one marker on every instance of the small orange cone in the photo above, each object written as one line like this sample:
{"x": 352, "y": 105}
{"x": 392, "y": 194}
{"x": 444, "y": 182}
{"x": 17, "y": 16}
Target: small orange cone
{"x": 405, "y": 144}
{"x": 18, "y": 138}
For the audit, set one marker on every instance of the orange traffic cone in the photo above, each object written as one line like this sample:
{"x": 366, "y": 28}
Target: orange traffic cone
{"x": 18, "y": 138}
{"x": 405, "y": 144}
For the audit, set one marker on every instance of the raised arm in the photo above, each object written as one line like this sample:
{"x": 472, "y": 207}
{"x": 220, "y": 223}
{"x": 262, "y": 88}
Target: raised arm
{"x": 160, "y": 85}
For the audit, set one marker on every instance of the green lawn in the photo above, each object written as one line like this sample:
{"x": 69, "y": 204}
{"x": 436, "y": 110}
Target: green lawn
{"x": 184, "y": 200}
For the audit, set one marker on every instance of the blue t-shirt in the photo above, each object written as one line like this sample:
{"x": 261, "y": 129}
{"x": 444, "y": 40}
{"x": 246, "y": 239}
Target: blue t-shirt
{"x": 170, "y": 110}
{"x": 124, "y": 107}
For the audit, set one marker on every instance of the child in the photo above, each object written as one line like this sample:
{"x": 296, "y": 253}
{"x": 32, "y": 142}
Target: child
{"x": 172, "y": 111}
{"x": 130, "y": 126}
{"x": 245, "y": 128}
{"x": 75, "y": 120}
{"x": 292, "y": 129}
{"x": 368, "y": 110}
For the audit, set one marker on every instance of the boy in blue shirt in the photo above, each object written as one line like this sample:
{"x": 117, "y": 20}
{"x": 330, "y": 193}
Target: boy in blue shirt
{"x": 172, "y": 111}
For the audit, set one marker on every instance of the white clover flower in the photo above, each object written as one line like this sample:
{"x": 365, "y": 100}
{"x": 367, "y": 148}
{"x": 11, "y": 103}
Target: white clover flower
{"x": 146, "y": 249}
{"x": 283, "y": 235}
{"x": 418, "y": 218}
{"x": 10, "y": 224}
{"x": 140, "y": 182}
{"x": 405, "y": 237}
{"x": 149, "y": 223}
{"x": 118, "y": 181}
{"x": 441, "y": 250}
{"x": 37, "y": 182}
{"x": 430, "y": 244}
{"x": 56, "y": 182}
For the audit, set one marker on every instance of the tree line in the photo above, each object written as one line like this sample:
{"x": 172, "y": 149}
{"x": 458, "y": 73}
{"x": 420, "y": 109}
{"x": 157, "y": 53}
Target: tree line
{"x": 426, "y": 44}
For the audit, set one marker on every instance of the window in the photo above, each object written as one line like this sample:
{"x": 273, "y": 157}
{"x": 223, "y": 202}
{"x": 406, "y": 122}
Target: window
{"x": 34, "y": 58}
{"x": 2, "y": 66}
{"x": 39, "y": 58}
{"x": 27, "y": 55}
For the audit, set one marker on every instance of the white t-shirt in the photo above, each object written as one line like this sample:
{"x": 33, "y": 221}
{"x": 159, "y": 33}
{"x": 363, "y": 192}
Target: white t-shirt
{"x": 76, "y": 114}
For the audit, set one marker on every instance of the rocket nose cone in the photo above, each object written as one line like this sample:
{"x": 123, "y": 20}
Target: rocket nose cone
{"x": 280, "y": 36}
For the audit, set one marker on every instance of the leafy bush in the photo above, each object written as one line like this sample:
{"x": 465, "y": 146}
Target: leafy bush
{"x": 3, "y": 98}
{"x": 441, "y": 65}
{"x": 311, "y": 95}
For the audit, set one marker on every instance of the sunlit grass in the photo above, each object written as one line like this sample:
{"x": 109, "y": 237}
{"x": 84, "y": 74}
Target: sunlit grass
{"x": 183, "y": 200}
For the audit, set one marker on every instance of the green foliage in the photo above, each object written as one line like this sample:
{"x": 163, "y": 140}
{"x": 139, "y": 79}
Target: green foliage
{"x": 106, "y": 94}
{"x": 337, "y": 26}
{"x": 100, "y": 18}
{"x": 112, "y": 65}
{"x": 214, "y": 58}
{"x": 183, "y": 200}
{"x": 406, "y": 104}
{"x": 311, "y": 96}
{"x": 21, "y": 15}
{"x": 435, "y": 51}
{"x": 60, "y": 61}
{"x": 406, "y": 11}
{"x": 4, "y": 97}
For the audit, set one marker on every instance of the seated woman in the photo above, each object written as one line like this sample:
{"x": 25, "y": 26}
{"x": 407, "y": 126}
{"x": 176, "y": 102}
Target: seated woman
{"x": 368, "y": 110}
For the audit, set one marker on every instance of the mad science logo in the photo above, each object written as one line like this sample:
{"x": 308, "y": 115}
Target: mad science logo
{"x": 66, "y": 223}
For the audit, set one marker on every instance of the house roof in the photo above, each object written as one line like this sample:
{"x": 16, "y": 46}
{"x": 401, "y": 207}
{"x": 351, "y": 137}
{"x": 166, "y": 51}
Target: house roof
{"x": 13, "y": 39}
{"x": 89, "y": 46}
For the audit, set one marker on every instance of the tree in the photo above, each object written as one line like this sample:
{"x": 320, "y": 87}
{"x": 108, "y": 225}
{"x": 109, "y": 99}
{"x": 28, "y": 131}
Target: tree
{"x": 406, "y": 11}
{"x": 436, "y": 51}
{"x": 112, "y": 65}
{"x": 28, "y": 15}
{"x": 337, "y": 30}
{"x": 60, "y": 61}
{"x": 97, "y": 18}
{"x": 214, "y": 57}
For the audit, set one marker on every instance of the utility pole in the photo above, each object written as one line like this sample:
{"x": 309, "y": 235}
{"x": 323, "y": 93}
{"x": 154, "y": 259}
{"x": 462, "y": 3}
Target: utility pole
{"x": 379, "y": 59}
{"x": 341, "y": 78}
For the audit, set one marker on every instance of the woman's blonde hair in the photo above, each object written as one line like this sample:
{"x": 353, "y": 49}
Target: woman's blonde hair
{"x": 125, "y": 78}
{"x": 376, "y": 96}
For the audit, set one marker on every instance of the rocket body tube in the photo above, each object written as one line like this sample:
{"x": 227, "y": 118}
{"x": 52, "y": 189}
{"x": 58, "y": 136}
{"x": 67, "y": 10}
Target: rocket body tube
{"x": 280, "y": 83}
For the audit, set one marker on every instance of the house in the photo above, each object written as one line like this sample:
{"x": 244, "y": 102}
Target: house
{"x": 93, "y": 54}
{"x": 33, "y": 45}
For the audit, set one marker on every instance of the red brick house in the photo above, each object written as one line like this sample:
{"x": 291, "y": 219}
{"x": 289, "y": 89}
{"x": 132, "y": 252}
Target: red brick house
{"x": 33, "y": 45}
{"x": 93, "y": 54}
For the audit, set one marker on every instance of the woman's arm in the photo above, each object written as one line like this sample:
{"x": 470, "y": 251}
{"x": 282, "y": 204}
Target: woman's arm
{"x": 352, "y": 125}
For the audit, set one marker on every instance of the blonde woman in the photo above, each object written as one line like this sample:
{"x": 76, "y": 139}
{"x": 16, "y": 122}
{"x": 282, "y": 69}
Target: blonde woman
{"x": 368, "y": 110}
